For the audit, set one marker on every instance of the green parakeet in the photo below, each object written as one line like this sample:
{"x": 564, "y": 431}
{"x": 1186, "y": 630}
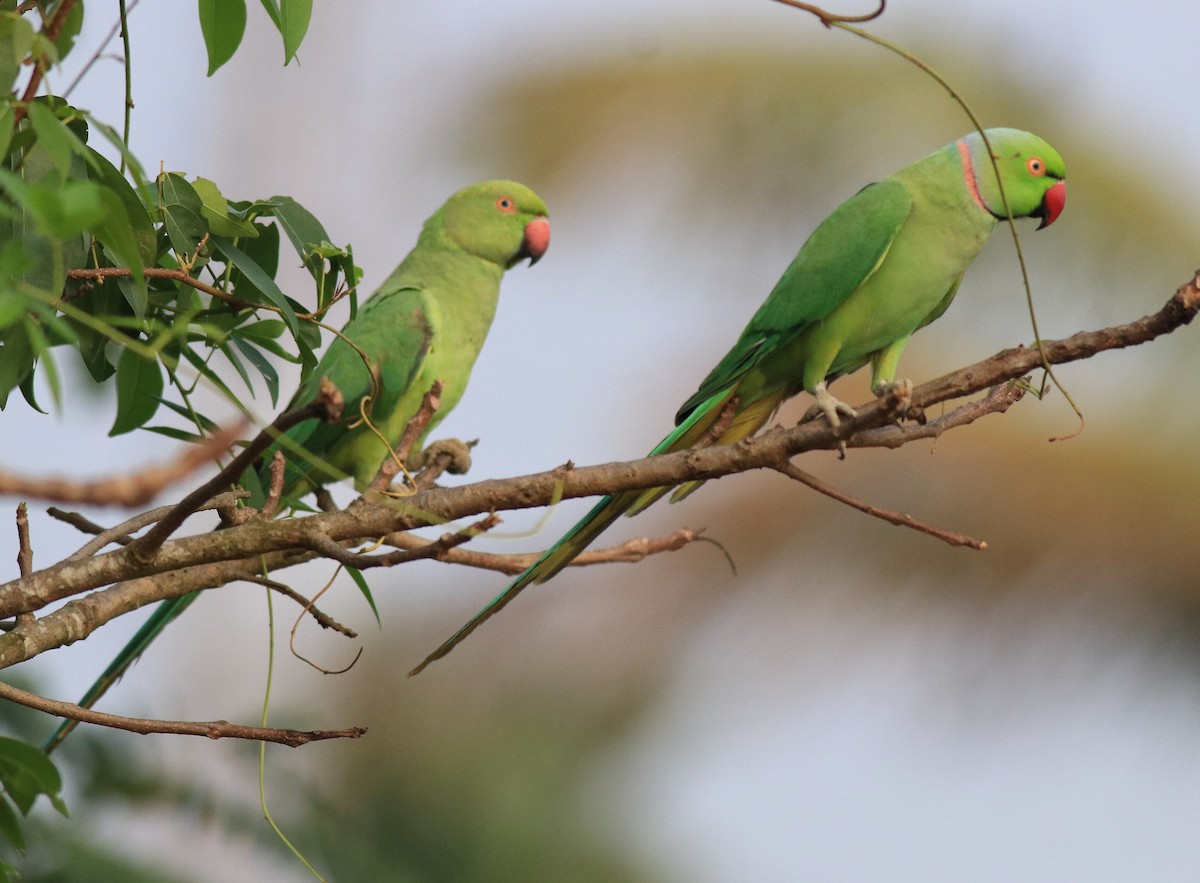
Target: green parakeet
{"x": 426, "y": 322}
{"x": 886, "y": 263}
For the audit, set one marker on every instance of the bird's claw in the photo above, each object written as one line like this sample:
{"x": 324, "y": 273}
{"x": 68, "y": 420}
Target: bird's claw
{"x": 830, "y": 407}
{"x": 896, "y": 398}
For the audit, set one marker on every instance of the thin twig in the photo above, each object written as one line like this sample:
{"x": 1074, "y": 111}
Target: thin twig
{"x": 952, "y": 537}
{"x": 211, "y": 729}
{"x": 99, "y": 274}
{"x": 829, "y": 19}
{"x": 324, "y": 620}
{"x": 413, "y": 430}
{"x": 998, "y": 400}
{"x": 329, "y": 548}
{"x": 628, "y": 552}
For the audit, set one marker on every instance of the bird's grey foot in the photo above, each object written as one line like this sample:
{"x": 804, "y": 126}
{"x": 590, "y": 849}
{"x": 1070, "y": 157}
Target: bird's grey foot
{"x": 828, "y": 406}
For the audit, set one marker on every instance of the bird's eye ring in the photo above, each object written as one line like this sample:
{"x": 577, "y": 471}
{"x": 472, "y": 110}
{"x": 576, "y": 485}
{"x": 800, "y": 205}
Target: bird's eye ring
{"x": 506, "y": 204}
{"x": 1035, "y": 165}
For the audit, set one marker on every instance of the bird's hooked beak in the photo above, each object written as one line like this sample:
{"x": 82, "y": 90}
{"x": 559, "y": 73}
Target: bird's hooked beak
{"x": 1052, "y": 204}
{"x": 535, "y": 241}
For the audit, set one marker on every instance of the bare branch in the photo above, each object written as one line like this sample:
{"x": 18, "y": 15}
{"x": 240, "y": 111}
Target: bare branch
{"x": 997, "y": 401}
{"x": 124, "y": 490}
{"x": 628, "y": 552}
{"x": 430, "y": 402}
{"x": 828, "y": 18}
{"x": 210, "y": 729}
{"x": 99, "y": 274}
{"x": 952, "y": 537}
{"x": 324, "y": 620}
{"x": 325, "y": 546}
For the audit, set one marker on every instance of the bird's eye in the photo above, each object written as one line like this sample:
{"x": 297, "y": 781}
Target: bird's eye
{"x": 1036, "y": 167}
{"x": 506, "y": 204}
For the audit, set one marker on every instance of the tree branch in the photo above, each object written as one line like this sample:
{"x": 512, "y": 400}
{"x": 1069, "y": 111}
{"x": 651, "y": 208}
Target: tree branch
{"x": 211, "y": 729}
{"x": 213, "y": 559}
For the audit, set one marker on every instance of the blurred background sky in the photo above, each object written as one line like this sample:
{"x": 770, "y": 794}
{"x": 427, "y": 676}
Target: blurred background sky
{"x": 857, "y": 702}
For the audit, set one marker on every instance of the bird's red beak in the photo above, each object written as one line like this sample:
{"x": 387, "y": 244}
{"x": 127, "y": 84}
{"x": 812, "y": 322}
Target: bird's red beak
{"x": 537, "y": 239}
{"x": 1052, "y": 204}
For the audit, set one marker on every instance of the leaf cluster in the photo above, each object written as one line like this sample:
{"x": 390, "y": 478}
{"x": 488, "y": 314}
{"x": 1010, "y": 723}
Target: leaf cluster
{"x": 151, "y": 281}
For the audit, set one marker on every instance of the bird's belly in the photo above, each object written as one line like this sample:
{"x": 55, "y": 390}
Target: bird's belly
{"x": 888, "y": 308}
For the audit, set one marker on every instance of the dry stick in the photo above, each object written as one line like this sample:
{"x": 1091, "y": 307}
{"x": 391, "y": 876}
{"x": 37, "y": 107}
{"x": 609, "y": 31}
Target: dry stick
{"x": 997, "y": 401}
{"x": 211, "y": 729}
{"x": 952, "y": 537}
{"x": 828, "y": 18}
{"x": 232, "y": 549}
{"x": 324, "y": 620}
{"x": 100, "y": 274}
{"x": 629, "y": 552}
{"x": 430, "y": 402}
{"x": 324, "y": 545}
{"x": 24, "y": 551}
{"x": 327, "y": 406}
{"x": 121, "y": 490}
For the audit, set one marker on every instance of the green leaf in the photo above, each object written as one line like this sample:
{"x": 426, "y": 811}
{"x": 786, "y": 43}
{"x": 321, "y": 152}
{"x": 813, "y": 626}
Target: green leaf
{"x": 223, "y": 23}
{"x": 6, "y": 129}
{"x": 302, "y": 228}
{"x": 138, "y": 220}
{"x": 178, "y": 434}
{"x": 16, "y": 358}
{"x": 16, "y": 39}
{"x": 10, "y": 825}
{"x": 139, "y": 386}
{"x": 54, "y": 137}
{"x": 181, "y": 209}
{"x": 186, "y": 229}
{"x": 65, "y": 41}
{"x": 361, "y": 582}
{"x": 259, "y": 278}
{"x": 264, "y": 366}
{"x": 26, "y": 772}
{"x": 215, "y": 210}
{"x": 294, "y": 16}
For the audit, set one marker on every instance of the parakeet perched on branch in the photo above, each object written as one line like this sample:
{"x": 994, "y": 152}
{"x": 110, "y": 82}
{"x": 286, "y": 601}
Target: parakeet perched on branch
{"x": 426, "y": 322}
{"x": 886, "y": 263}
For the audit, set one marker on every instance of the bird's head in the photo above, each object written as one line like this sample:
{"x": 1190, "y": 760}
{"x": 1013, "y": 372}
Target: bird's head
{"x": 1032, "y": 172}
{"x": 500, "y": 221}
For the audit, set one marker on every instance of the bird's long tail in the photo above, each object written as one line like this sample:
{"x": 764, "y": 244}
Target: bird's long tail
{"x": 151, "y": 628}
{"x": 554, "y": 559}
{"x": 612, "y": 507}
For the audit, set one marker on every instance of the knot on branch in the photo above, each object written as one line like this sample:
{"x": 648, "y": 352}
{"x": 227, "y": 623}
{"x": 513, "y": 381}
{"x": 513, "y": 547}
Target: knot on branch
{"x": 330, "y": 401}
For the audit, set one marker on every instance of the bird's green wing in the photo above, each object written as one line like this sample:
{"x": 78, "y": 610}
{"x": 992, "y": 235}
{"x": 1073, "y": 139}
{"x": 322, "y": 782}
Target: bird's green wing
{"x": 379, "y": 353}
{"x": 841, "y": 254}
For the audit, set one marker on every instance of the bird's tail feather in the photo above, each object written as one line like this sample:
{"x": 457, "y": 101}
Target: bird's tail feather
{"x": 151, "y": 628}
{"x": 602, "y": 515}
{"x": 554, "y": 559}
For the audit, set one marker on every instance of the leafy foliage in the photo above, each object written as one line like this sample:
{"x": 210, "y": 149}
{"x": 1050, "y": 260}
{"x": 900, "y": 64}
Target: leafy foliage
{"x": 193, "y": 272}
{"x": 153, "y": 282}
